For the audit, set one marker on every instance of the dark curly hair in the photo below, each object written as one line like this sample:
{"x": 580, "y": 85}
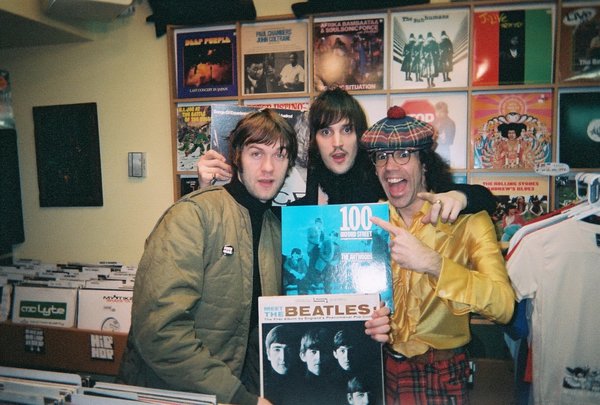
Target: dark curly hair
{"x": 438, "y": 177}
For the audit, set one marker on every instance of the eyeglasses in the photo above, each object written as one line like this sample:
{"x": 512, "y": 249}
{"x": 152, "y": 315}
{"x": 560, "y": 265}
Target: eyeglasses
{"x": 401, "y": 156}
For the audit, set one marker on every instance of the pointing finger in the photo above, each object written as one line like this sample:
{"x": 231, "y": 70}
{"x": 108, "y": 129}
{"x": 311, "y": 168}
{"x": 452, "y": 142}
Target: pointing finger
{"x": 386, "y": 226}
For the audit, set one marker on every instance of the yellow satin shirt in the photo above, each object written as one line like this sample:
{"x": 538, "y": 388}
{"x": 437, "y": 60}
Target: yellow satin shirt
{"x": 430, "y": 313}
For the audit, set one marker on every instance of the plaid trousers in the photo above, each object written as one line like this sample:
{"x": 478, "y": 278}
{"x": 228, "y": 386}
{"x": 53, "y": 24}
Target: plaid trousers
{"x": 441, "y": 382}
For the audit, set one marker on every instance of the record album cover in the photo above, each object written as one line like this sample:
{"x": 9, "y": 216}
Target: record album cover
{"x": 430, "y": 49}
{"x": 579, "y": 128}
{"x": 513, "y": 45}
{"x": 519, "y": 198}
{"x": 226, "y": 116}
{"x": 580, "y": 43}
{"x": 205, "y": 62}
{"x": 349, "y": 54}
{"x": 447, "y": 113}
{"x": 336, "y": 249}
{"x": 314, "y": 350}
{"x": 193, "y": 134}
{"x": 274, "y": 57}
{"x": 511, "y": 130}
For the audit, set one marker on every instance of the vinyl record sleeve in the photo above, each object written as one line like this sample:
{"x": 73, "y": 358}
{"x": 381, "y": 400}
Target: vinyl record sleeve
{"x": 205, "y": 62}
{"x": 513, "y": 45}
{"x": 579, "y": 128}
{"x": 314, "y": 349}
{"x": 579, "y": 43}
{"x": 511, "y": 130}
{"x": 349, "y": 53}
{"x": 274, "y": 57}
{"x": 430, "y": 49}
{"x": 224, "y": 118}
{"x": 336, "y": 249}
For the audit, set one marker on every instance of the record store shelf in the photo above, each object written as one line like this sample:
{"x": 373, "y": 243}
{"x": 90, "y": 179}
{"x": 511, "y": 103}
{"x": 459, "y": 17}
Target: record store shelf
{"x": 61, "y": 349}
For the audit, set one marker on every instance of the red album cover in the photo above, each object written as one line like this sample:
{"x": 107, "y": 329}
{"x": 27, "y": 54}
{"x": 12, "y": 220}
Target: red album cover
{"x": 512, "y": 46}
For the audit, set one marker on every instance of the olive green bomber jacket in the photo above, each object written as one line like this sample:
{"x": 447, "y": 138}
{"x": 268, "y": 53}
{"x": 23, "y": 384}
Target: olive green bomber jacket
{"x": 192, "y": 298}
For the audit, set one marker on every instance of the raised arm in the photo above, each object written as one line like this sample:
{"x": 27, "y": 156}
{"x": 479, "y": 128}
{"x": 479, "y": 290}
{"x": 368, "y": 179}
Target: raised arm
{"x": 479, "y": 198}
{"x": 463, "y": 199}
{"x": 212, "y": 166}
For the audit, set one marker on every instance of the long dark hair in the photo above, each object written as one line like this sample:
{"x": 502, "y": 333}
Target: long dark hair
{"x": 330, "y": 107}
{"x": 360, "y": 183}
{"x": 438, "y": 177}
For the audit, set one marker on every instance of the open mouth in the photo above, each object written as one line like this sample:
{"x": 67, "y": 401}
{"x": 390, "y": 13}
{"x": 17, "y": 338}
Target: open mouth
{"x": 338, "y": 157}
{"x": 395, "y": 180}
{"x": 266, "y": 182}
{"x": 396, "y": 185}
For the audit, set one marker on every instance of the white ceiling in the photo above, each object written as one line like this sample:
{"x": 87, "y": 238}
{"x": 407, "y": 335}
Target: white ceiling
{"x": 25, "y": 23}
{"x": 21, "y": 31}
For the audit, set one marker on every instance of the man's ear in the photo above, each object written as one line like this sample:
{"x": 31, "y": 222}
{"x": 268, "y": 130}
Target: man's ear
{"x": 302, "y": 357}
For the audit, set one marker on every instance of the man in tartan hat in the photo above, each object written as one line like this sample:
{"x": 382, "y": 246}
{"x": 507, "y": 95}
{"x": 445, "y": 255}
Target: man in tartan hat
{"x": 441, "y": 272}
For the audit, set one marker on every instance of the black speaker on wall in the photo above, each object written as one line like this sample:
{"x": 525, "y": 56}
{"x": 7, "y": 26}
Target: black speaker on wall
{"x": 198, "y": 12}
{"x": 328, "y": 6}
{"x": 11, "y": 212}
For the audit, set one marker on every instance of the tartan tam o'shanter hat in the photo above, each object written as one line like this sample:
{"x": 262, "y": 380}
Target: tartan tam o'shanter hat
{"x": 398, "y": 131}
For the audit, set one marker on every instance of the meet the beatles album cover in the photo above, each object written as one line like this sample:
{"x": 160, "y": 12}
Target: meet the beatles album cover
{"x": 314, "y": 350}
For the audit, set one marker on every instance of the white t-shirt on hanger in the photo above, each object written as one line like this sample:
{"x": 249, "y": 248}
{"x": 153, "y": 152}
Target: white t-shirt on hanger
{"x": 558, "y": 267}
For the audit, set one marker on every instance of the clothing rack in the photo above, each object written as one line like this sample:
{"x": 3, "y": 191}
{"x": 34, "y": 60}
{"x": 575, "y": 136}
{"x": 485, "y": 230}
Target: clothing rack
{"x": 588, "y": 187}
{"x": 547, "y": 261}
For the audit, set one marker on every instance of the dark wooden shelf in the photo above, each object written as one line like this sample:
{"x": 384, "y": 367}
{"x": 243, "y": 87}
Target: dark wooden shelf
{"x": 64, "y": 349}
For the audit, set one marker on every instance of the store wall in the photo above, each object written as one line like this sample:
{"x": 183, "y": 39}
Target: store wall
{"x": 125, "y": 72}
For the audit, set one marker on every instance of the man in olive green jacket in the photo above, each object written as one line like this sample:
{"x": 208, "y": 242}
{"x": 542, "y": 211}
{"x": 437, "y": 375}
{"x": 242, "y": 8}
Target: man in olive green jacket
{"x": 194, "y": 317}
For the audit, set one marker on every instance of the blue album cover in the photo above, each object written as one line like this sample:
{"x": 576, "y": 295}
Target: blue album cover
{"x": 336, "y": 249}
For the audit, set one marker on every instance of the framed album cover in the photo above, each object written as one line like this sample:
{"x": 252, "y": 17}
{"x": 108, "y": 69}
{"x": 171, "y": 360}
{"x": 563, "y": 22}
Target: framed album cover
{"x": 274, "y": 57}
{"x": 579, "y": 127}
{"x": 579, "y": 43}
{"x": 447, "y": 112}
{"x": 511, "y": 130}
{"x": 520, "y": 198}
{"x": 349, "y": 53}
{"x": 430, "y": 49}
{"x": 513, "y": 45}
{"x": 205, "y": 62}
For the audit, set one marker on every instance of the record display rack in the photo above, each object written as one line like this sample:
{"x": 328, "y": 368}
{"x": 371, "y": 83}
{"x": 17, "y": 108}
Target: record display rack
{"x": 61, "y": 349}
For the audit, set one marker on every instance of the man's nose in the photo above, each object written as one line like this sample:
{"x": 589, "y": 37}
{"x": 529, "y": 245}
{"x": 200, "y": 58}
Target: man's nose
{"x": 390, "y": 162}
{"x": 337, "y": 139}
{"x": 267, "y": 164}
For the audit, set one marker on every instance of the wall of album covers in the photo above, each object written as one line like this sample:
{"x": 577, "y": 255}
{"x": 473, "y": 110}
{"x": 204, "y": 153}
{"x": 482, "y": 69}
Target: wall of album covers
{"x": 512, "y": 89}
